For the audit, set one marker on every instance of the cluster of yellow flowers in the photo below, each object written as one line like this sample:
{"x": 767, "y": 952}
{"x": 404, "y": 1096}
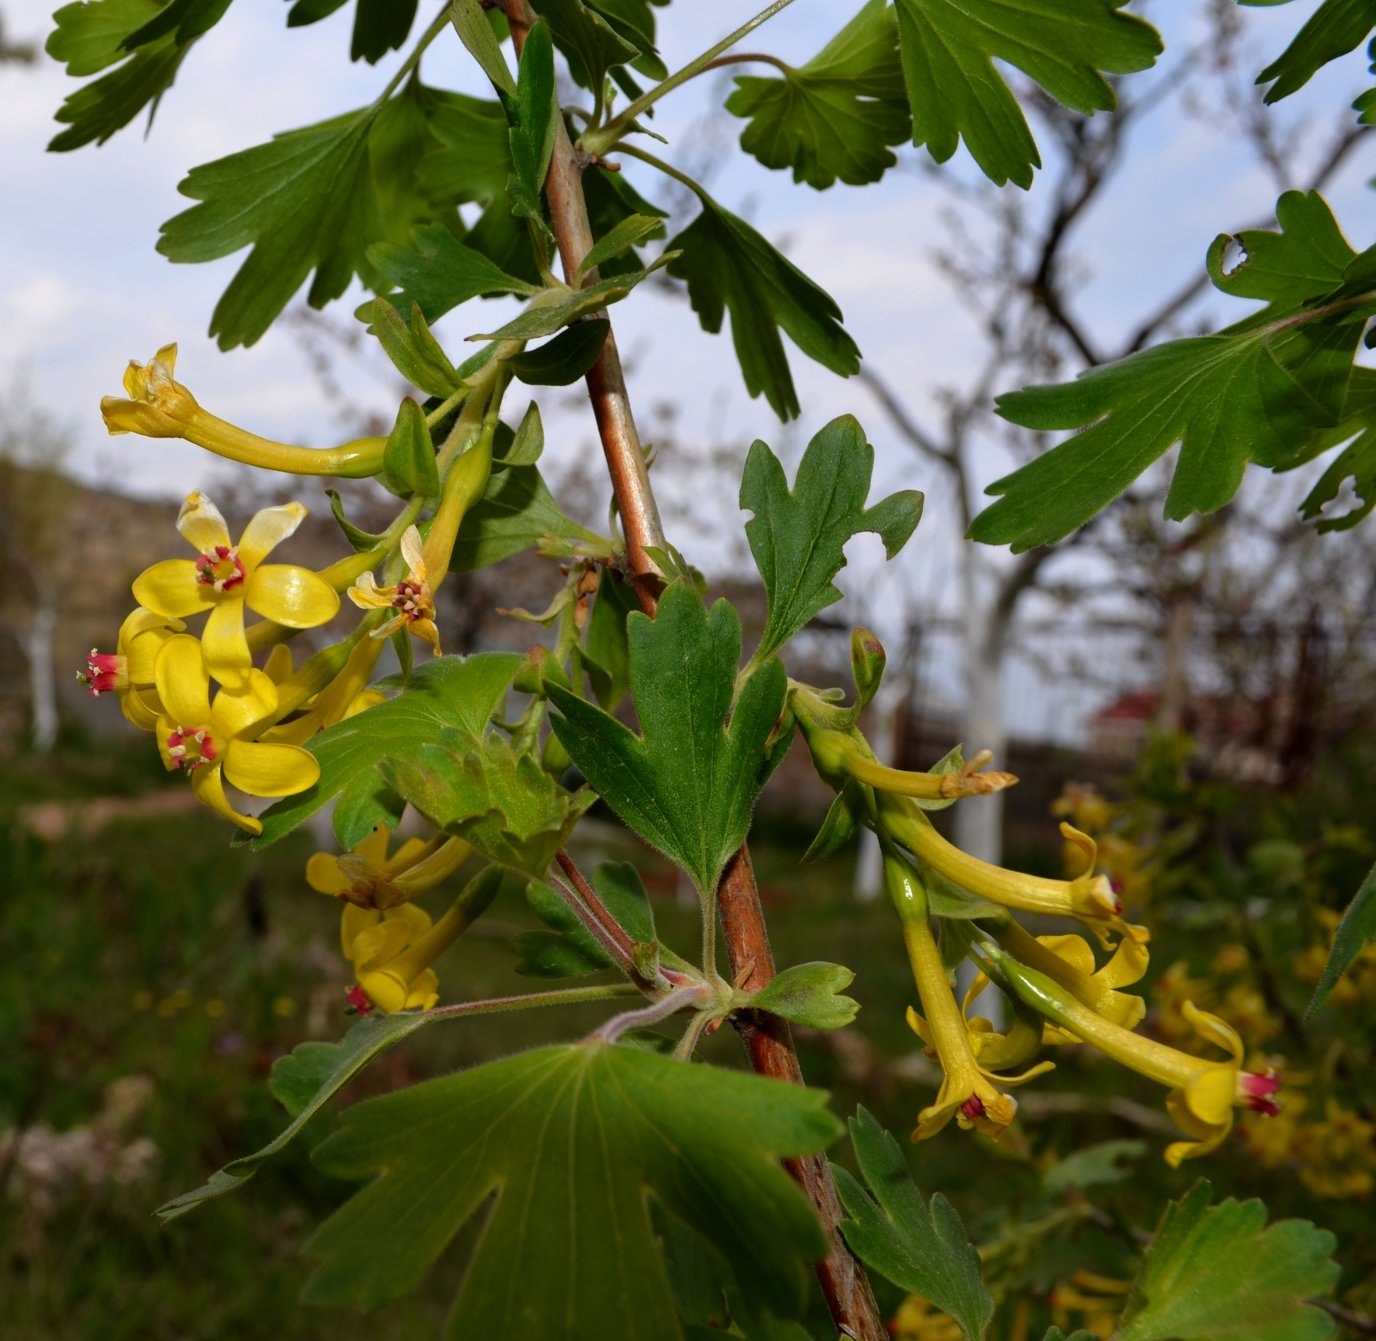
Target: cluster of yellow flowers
{"x": 1057, "y": 991}
{"x": 220, "y": 718}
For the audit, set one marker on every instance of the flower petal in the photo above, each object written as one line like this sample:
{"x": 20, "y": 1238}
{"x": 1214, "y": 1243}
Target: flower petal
{"x": 234, "y": 711}
{"x": 367, "y": 595}
{"x": 170, "y": 589}
{"x": 210, "y": 791}
{"x": 141, "y": 708}
{"x": 223, "y": 645}
{"x": 181, "y": 681}
{"x": 202, "y": 524}
{"x": 1210, "y": 1094}
{"x": 261, "y": 769}
{"x": 142, "y": 651}
{"x": 293, "y": 596}
{"x": 268, "y": 529}
{"x": 1218, "y": 1032}
{"x": 323, "y": 874}
{"x": 413, "y": 552}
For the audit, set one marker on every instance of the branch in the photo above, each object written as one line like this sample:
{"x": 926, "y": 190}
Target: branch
{"x": 847, "y": 1289}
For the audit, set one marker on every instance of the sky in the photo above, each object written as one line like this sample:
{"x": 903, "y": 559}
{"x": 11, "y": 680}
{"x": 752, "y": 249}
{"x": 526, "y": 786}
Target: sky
{"x": 83, "y": 289}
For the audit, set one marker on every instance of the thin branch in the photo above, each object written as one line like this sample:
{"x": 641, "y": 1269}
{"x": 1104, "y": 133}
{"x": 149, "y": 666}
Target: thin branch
{"x": 846, "y": 1287}
{"x": 917, "y": 436}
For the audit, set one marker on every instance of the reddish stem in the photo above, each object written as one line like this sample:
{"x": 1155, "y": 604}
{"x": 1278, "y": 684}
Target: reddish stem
{"x": 767, "y": 1039}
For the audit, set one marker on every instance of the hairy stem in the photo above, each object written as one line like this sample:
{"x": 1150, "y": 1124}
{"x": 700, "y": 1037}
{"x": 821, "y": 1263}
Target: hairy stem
{"x": 767, "y": 1039}
{"x": 566, "y": 996}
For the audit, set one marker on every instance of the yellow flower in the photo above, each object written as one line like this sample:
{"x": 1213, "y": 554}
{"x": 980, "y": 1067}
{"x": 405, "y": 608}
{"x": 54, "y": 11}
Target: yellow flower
{"x": 1090, "y": 899}
{"x": 128, "y": 671}
{"x": 161, "y": 407}
{"x": 225, "y": 578}
{"x": 346, "y": 694}
{"x": 209, "y": 740}
{"x": 1202, "y": 1093}
{"x": 969, "y": 1092}
{"x": 368, "y": 877}
{"x": 1069, "y": 960}
{"x": 839, "y": 755}
{"x": 411, "y": 596}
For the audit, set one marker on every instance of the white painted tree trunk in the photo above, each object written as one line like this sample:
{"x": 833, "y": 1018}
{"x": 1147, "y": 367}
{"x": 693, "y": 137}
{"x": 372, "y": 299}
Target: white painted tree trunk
{"x": 38, "y": 649}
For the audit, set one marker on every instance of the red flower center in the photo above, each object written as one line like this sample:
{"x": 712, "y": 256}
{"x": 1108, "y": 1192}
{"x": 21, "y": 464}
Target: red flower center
{"x": 104, "y": 672}
{"x": 189, "y": 750}
{"x": 973, "y": 1107}
{"x": 220, "y": 568}
{"x": 358, "y": 1000}
{"x": 412, "y": 599}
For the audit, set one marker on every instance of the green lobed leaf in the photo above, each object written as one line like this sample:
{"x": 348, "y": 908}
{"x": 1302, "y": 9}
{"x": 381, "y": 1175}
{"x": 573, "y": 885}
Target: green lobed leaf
{"x": 566, "y": 357}
{"x": 688, "y": 783}
{"x": 568, "y": 950}
{"x": 589, "y": 43}
{"x": 634, "y": 20}
{"x": 380, "y": 26}
{"x": 470, "y": 158}
{"x": 957, "y": 93}
{"x": 516, "y": 512}
{"x": 798, "y": 536}
{"x": 922, "y": 1248}
{"x": 149, "y": 41}
{"x": 408, "y": 460}
{"x": 457, "y": 692}
{"x": 810, "y": 995}
{"x": 1357, "y": 460}
{"x": 498, "y": 800}
{"x": 574, "y": 1142}
{"x": 304, "y": 1082}
{"x": 1354, "y": 933}
{"x": 1213, "y": 1273}
{"x": 1332, "y": 30}
{"x": 835, "y": 116}
{"x": 1258, "y": 390}
{"x": 728, "y": 266}
{"x": 438, "y": 272}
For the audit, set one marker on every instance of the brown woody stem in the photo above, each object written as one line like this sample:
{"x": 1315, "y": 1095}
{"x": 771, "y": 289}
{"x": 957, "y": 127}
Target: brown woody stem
{"x": 767, "y": 1039}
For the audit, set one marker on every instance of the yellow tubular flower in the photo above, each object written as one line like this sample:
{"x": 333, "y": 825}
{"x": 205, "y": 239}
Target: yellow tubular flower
{"x": 1090, "y": 898}
{"x": 969, "y": 1093}
{"x": 1202, "y": 1093}
{"x": 344, "y": 695}
{"x": 1069, "y": 960}
{"x": 411, "y": 596}
{"x": 161, "y": 407}
{"x": 128, "y": 671}
{"x": 227, "y": 577}
{"x": 207, "y": 741}
{"x": 368, "y": 877}
{"x": 392, "y": 949}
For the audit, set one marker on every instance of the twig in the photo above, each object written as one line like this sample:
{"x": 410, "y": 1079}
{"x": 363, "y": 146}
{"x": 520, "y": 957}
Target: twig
{"x": 847, "y": 1289}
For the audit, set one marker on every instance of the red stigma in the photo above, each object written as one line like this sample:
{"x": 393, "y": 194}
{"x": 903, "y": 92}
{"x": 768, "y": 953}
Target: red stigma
{"x": 358, "y": 1000}
{"x": 973, "y": 1107}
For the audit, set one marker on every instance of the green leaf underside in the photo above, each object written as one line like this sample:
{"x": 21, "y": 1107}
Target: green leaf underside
{"x": 1332, "y": 30}
{"x": 516, "y": 512}
{"x": 922, "y": 1248}
{"x": 810, "y": 995}
{"x": 630, "y": 232}
{"x": 1188, "y": 1286}
{"x": 532, "y": 115}
{"x": 440, "y": 273}
{"x": 728, "y": 266}
{"x": 475, "y": 32}
{"x": 414, "y": 352}
{"x": 574, "y": 1142}
{"x": 500, "y": 802}
{"x": 957, "y": 93}
{"x": 567, "y": 949}
{"x": 558, "y": 308}
{"x": 798, "y": 536}
{"x": 1357, "y": 460}
{"x": 304, "y": 1082}
{"x": 1354, "y": 933}
{"x": 408, "y": 461}
{"x": 835, "y": 116}
{"x": 148, "y": 41}
{"x": 1258, "y": 390}
{"x": 457, "y": 692}
{"x": 687, "y": 785}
